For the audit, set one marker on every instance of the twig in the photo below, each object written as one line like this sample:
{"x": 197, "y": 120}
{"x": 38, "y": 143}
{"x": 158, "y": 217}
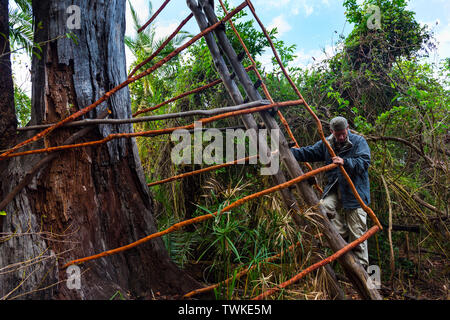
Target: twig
{"x": 406, "y": 228}
{"x": 388, "y": 198}
{"x": 45, "y": 288}
{"x": 240, "y": 273}
{"x": 427, "y": 205}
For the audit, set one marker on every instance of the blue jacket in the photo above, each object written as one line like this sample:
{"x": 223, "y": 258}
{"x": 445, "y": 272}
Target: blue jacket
{"x": 356, "y": 155}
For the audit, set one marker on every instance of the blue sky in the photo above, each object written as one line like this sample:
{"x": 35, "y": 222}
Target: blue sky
{"x": 309, "y": 24}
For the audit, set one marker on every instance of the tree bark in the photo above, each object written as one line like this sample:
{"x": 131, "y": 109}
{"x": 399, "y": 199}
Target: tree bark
{"x": 8, "y": 121}
{"x": 89, "y": 200}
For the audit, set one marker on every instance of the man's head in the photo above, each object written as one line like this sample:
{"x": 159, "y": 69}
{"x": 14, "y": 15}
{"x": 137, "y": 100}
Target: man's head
{"x": 339, "y": 128}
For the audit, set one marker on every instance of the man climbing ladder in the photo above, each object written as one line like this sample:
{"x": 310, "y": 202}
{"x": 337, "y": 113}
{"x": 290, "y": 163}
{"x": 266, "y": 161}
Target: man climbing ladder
{"x": 353, "y": 152}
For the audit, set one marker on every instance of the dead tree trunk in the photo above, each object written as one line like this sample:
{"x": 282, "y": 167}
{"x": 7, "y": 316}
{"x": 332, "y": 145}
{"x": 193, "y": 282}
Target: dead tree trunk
{"x": 353, "y": 269}
{"x": 8, "y": 121}
{"x": 89, "y": 200}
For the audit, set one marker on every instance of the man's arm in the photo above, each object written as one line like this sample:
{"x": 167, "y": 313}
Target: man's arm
{"x": 360, "y": 162}
{"x": 312, "y": 153}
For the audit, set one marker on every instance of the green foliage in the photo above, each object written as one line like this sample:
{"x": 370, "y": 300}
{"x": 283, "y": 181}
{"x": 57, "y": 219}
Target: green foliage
{"x": 23, "y": 106}
{"x": 21, "y": 25}
{"x": 400, "y": 35}
{"x": 21, "y": 28}
{"x": 421, "y": 106}
{"x": 157, "y": 86}
{"x": 117, "y": 294}
{"x": 236, "y": 238}
{"x": 376, "y": 80}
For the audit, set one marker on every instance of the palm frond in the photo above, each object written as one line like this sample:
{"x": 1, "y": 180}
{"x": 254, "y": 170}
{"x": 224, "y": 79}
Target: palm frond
{"x": 24, "y": 5}
{"x": 21, "y": 30}
{"x": 136, "y": 22}
{"x": 150, "y": 8}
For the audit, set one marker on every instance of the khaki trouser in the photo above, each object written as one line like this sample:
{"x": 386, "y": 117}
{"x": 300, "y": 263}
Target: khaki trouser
{"x": 350, "y": 223}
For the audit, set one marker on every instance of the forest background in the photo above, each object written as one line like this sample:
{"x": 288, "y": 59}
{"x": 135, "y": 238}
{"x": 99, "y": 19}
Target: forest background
{"x": 382, "y": 80}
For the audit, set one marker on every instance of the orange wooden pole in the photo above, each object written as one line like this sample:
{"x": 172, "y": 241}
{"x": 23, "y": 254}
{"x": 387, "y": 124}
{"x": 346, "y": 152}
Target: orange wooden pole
{"x": 209, "y": 85}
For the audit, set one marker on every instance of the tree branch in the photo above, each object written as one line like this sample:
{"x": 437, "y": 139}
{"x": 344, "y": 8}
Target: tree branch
{"x": 90, "y": 122}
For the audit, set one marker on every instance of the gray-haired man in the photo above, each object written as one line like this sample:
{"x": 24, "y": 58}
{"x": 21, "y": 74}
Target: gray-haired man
{"x": 353, "y": 152}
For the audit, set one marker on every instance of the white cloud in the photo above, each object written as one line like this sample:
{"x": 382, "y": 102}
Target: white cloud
{"x": 266, "y": 59}
{"x": 21, "y": 70}
{"x": 293, "y": 7}
{"x": 281, "y": 24}
{"x": 443, "y": 38}
{"x": 308, "y": 9}
{"x": 129, "y": 57}
{"x": 164, "y": 29}
{"x": 141, "y": 8}
{"x": 272, "y": 3}
{"x": 303, "y": 59}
